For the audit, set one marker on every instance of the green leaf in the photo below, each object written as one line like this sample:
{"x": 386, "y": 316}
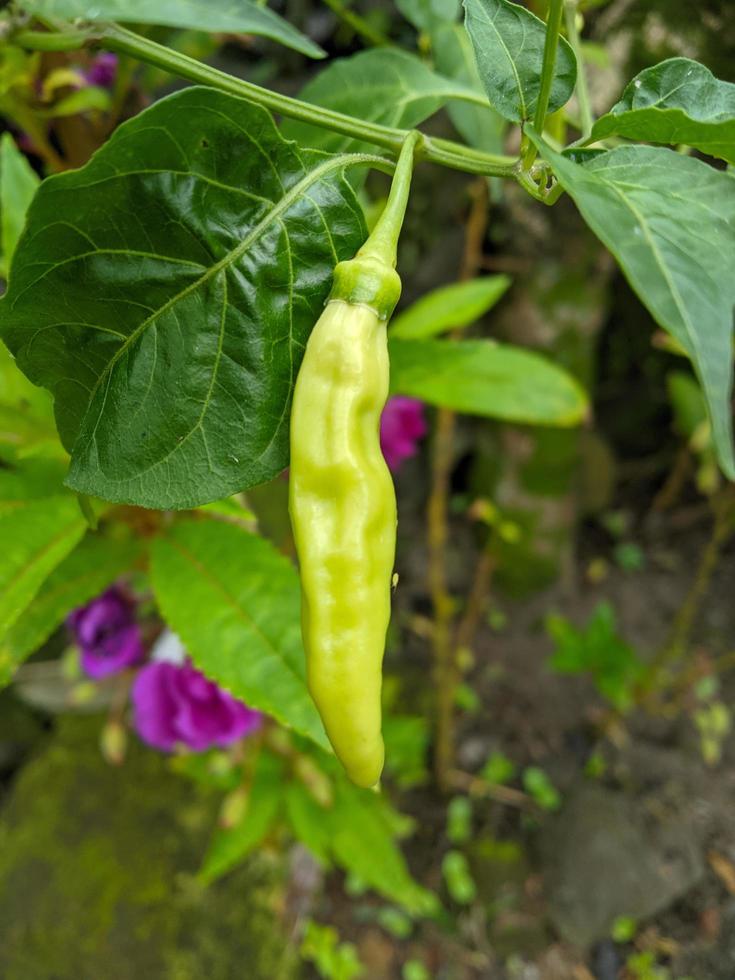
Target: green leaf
{"x": 678, "y": 102}
{"x": 538, "y": 785}
{"x": 91, "y": 98}
{"x": 36, "y": 536}
{"x": 164, "y": 293}
{"x": 451, "y": 307}
{"x": 307, "y": 820}
{"x": 481, "y": 126}
{"x": 26, "y": 415}
{"x": 509, "y": 45}
{"x": 669, "y": 220}
{"x": 18, "y": 183}
{"x": 384, "y": 85}
{"x": 427, "y": 14}
{"x": 480, "y": 377}
{"x": 235, "y": 603}
{"x": 90, "y": 568}
{"x": 362, "y": 842}
{"x": 29, "y": 480}
{"x": 598, "y": 649}
{"x": 231, "y": 845}
{"x": 687, "y": 401}
{"x": 225, "y": 16}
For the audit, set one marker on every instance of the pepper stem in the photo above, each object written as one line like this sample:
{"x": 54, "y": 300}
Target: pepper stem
{"x": 382, "y": 243}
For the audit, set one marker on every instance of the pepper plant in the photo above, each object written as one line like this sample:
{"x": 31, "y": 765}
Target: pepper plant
{"x": 163, "y": 293}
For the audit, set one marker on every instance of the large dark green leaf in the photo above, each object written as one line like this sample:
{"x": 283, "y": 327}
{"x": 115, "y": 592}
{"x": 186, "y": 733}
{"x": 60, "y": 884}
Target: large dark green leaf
{"x": 509, "y": 45}
{"x": 164, "y": 294}
{"x": 228, "y": 16}
{"x": 234, "y": 602}
{"x": 386, "y": 86}
{"x": 87, "y": 571}
{"x": 678, "y": 101}
{"x": 669, "y": 220}
{"x": 480, "y": 377}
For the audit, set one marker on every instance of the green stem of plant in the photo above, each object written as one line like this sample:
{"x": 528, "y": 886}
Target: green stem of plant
{"x": 448, "y": 154}
{"x": 359, "y": 25}
{"x": 571, "y": 8}
{"x": 52, "y": 40}
{"x": 443, "y": 152}
{"x": 553, "y": 29}
{"x": 383, "y": 241}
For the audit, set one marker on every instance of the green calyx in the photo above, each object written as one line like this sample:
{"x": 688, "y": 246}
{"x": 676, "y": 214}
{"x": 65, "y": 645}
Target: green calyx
{"x": 370, "y": 278}
{"x": 367, "y": 281}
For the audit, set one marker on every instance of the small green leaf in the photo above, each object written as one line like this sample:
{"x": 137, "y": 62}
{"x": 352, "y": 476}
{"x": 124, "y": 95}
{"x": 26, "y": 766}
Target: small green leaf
{"x": 362, "y": 842}
{"x": 596, "y": 649}
{"x": 234, "y": 602}
{"x": 426, "y": 14}
{"x": 498, "y": 769}
{"x": 538, "y": 785}
{"x": 679, "y": 102}
{"x": 225, "y": 16}
{"x": 458, "y": 878}
{"x": 459, "y": 820}
{"x": 230, "y": 845}
{"x": 90, "y": 568}
{"x": 384, "y": 85}
{"x": 307, "y": 820}
{"x": 164, "y": 293}
{"x": 91, "y": 98}
{"x": 26, "y": 416}
{"x": 36, "y": 536}
{"x": 509, "y": 46}
{"x": 480, "y": 377}
{"x": 18, "y": 183}
{"x": 687, "y": 401}
{"x": 669, "y": 220}
{"x": 451, "y": 307}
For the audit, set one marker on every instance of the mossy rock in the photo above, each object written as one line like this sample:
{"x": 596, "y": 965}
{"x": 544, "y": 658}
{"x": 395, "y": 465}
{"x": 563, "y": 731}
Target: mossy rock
{"x": 98, "y": 876}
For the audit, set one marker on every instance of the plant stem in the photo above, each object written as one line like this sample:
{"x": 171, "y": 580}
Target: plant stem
{"x": 383, "y": 240}
{"x": 444, "y": 152}
{"x": 446, "y": 670}
{"x": 553, "y": 28}
{"x": 52, "y": 40}
{"x": 583, "y": 92}
{"x": 359, "y": 25}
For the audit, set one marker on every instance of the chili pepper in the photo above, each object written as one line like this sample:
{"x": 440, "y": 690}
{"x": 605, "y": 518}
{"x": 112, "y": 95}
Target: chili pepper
{"x": 341, "y": 497}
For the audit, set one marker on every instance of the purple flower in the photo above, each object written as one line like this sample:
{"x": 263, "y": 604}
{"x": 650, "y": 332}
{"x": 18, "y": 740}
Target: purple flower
{"x": 107, "y": 634}
{"x": 402, "y": 426}
{"x": 176, "y": 705}
{"x": 103, "y": 70}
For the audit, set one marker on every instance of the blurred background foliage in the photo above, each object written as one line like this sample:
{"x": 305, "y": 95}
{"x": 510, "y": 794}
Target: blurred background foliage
{"x": 583, "y": 829}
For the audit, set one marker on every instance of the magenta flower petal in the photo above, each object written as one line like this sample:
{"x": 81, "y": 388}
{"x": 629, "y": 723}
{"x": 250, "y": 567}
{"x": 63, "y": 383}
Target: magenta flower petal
{"x": 103, "y": 70}
{"x": 176, "y": 705}
{"x": 402, "y": 426}
{"x": 154, "y": 705}
{"x": 107, "y": 634}
{"x": 117, "y": 652}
